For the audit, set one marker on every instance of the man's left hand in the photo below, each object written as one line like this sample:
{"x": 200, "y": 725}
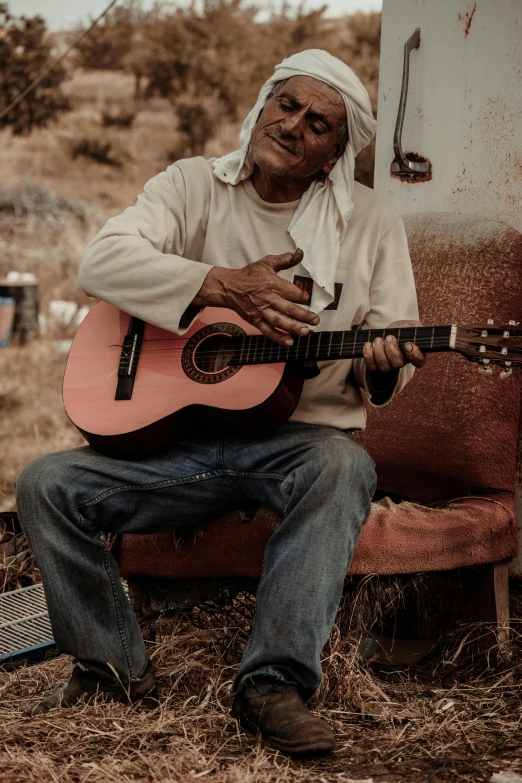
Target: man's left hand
{"x": 386, "y": 356}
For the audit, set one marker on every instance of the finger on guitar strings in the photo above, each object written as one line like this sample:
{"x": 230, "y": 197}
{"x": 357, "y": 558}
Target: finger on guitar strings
{"x": 379, "y": 356}
{"x": 397, "y": 357}
{"x": 394, "y": 355}
{"x": 386, "y": 355}
{"x": 369, "y": 357}
{"x": 415, "y": 355}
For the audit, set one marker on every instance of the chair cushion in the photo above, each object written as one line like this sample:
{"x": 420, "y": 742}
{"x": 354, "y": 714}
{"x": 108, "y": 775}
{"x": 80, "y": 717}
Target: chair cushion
{"x": 397, "y": 539}
{"x": 453, "y": 431}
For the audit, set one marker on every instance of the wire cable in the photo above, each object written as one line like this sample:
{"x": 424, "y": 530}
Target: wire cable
{"x": 56, "y": 62}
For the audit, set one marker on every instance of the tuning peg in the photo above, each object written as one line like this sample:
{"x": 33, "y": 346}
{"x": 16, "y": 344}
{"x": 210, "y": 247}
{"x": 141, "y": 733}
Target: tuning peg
{"x": 490, "y": 322}
{"x": 512, "y": 323}
{"x": 506, "y": 372}
{"x": 484, "y": 367}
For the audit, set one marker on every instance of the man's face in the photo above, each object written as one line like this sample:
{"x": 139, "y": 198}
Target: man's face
{"x": 297, "y": 131}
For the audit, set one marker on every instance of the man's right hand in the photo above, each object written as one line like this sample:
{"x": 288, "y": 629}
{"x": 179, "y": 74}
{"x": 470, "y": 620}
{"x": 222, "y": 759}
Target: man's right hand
{"x": 261, "y": 297}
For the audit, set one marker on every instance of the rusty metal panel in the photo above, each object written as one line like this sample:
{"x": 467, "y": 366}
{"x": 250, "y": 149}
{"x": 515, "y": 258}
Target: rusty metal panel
{"x": 464, "y": 106}
{"x": 463, "y": 114}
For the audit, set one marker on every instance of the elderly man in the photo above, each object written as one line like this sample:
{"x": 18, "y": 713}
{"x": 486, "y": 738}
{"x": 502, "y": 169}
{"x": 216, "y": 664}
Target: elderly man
{"x": 279, "y": 232}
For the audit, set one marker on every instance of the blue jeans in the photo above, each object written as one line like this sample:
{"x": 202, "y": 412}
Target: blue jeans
{"x": 318, "y": 479}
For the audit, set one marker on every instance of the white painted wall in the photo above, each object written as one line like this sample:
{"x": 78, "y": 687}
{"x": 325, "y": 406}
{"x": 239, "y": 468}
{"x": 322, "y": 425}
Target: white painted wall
{"x": 464, "y": 109}
{"x": 464, "y": 113}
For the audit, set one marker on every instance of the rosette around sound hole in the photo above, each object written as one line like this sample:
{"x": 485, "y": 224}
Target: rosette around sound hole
{"x": 207, "y": 353}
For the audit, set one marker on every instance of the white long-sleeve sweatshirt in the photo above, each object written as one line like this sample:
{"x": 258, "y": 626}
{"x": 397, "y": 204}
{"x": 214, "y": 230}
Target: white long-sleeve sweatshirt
{"x": 151, "y": 261}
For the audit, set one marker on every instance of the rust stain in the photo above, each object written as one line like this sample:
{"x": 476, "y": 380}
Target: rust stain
{"x": 467, "y": 18}
{"x": 493, "y": 187}
{"x": 414, "y": 179}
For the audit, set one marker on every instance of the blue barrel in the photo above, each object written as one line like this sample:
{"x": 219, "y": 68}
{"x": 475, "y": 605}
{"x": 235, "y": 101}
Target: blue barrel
{"x": 7, "y": 312}
{"x": 25, "y": 294}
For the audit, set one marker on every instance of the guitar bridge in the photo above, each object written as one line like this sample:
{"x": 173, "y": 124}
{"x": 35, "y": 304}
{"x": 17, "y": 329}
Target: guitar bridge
{"x": 129, "y": 358}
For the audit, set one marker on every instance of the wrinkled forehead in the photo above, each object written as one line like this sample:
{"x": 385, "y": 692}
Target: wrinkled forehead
{"x": 316, "y": 95}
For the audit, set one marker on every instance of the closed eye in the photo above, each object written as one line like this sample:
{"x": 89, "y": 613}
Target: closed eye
{"x": 288, "y": 106}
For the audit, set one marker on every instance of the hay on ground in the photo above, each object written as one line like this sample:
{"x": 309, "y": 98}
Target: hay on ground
{"x": 451, "y": 718}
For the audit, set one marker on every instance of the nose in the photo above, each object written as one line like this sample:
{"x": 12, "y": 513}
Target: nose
{"x": 292, "y": 125}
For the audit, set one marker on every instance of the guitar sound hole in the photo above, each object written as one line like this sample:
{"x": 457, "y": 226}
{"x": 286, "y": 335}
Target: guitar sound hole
{"x": 214, "y": 354}
{"x": 207, "y": 354}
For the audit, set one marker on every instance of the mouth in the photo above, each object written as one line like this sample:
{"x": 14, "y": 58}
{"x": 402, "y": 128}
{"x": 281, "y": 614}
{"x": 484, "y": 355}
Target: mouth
{"x": 281, "y": 144}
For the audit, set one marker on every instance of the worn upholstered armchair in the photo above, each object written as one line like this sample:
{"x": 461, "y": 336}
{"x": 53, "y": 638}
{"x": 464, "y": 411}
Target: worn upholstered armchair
{"x": 446, "y": 446}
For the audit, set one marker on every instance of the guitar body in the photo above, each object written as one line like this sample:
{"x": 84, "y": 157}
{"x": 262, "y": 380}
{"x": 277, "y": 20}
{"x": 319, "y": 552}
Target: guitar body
{"x": 173, "y": 393}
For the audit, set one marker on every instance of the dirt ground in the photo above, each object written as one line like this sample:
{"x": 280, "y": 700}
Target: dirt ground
{"x": 451, "y": 718}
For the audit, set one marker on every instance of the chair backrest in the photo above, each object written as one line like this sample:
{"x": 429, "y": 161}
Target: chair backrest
{"x": 453, "y": 430}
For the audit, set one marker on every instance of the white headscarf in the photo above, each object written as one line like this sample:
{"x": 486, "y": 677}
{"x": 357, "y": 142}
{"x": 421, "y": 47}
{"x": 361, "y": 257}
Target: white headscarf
{"x": 319, "y": 223}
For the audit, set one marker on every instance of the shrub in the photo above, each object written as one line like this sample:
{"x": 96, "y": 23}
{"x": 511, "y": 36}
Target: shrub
{"x": 110, "y": 41}
{"x": 196, "y": 124}
{"x": 24, "y": 53}
{"x": 118, "y": 119}
{"x": 97, "y": 150}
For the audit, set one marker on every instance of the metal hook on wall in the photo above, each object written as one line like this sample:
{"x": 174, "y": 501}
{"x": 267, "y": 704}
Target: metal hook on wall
{"x": 401, "y": 164}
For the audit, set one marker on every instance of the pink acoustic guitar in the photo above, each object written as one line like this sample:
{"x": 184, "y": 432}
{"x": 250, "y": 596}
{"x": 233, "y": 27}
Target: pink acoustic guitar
{"x": 134, "y": 389}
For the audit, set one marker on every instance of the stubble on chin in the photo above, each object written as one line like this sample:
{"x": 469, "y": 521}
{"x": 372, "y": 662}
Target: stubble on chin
{"x": 268, "y": 166}
{"x": 280, "y": 171}
{"x": 266, "y": 163}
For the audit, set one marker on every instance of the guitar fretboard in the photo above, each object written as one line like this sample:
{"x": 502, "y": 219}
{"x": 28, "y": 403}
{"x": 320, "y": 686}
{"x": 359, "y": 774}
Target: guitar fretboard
{"x": 319, "y": 346}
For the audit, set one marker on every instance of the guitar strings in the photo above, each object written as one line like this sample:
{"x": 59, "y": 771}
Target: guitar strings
{"x": 513, "y": 333}
{"x": 264, "y": 349}
{"x": 427, "y": 340}
{"x": 268, "y": 350}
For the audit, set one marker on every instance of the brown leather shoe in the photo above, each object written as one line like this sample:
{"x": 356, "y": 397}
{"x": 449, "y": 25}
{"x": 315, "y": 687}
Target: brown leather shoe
{"x": 276, "y": 711}
{"x": 87, "y": 685}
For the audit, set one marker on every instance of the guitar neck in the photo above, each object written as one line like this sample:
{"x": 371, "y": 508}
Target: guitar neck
{"x": 319, "y": 346}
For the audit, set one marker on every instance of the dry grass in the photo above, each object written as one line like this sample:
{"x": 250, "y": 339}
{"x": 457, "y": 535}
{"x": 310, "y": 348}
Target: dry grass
{"x": 43, "y": 234}
{"x": 45, "y": 157}
{"x": 444, "y": 721}
{"x": 32, "y": 419}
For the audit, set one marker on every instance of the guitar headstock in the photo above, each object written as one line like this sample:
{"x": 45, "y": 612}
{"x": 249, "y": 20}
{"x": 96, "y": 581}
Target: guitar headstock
{"x": 489, "y": 345}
